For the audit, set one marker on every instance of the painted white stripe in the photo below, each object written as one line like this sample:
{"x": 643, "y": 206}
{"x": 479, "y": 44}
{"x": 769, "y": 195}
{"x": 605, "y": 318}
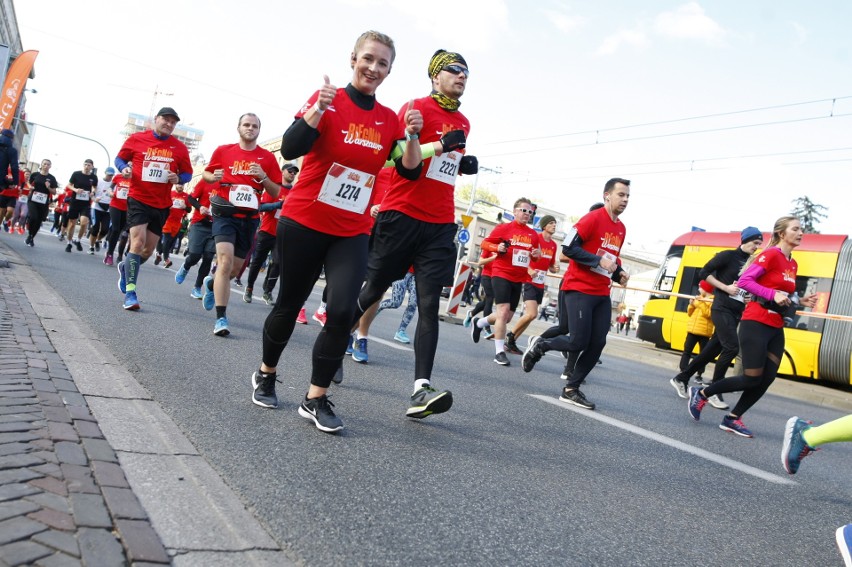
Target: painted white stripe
{"x": 713, "y": 457}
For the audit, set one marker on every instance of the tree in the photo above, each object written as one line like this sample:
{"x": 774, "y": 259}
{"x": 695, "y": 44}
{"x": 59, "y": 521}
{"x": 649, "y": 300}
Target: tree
{"x": 809, "y": 213}
{"x": 463, "y": 194}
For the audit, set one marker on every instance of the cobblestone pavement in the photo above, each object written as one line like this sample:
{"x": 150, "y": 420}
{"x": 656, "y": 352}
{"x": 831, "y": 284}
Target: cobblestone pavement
{"x": 64, "y": 499}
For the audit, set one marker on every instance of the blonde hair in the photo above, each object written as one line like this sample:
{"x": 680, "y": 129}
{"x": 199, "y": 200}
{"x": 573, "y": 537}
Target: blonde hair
{"x": 781, "y": 225}
{"x": 375, "y": 36}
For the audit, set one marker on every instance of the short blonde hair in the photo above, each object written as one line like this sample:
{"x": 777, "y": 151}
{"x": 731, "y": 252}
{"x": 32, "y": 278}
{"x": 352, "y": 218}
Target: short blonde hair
{"x": 375, "y": 36}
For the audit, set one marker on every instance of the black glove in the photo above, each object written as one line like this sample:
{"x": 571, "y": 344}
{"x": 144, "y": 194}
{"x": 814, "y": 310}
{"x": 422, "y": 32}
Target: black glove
{"x": 469, "y": 165}
{"x": 452, "y": 141}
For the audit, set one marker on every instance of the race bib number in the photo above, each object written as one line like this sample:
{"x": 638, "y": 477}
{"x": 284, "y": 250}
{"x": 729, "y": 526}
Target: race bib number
{"x": 243, "y": 196}
{"x": 155, "y": 172}
{"x": 609, "y": 256}
{"x": 178, "y": 204}
{"x": 121, "y": 193}
{"x": 39, "y": 198}
{"x": 278, "y": 213}
{"x": 539, "y": 277}
{"x": 83, "y": 195}
{"x": 444, "y": 168}
{"x": 347, "y": 189}
{"x": 521, "y": 258}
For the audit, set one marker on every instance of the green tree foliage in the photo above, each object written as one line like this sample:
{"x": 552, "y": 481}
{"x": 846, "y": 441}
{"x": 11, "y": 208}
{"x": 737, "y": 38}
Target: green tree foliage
{"x": 482, "y": 193}
{"x": 810, "y": 214}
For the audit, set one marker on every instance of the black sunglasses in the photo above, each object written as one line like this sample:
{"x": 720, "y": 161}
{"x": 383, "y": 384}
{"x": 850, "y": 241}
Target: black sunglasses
{"x": 456, "y": 70}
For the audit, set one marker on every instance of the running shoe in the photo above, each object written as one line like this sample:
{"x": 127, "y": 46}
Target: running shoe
{"x": 209, "y": 300}
{"x": 302, "y": 319}
{"x": 501, "y": 359}
{"x": 320, "y": 318}
{"x": 843, "y": 535}
{"x": 359, "y": 351}
{"x": 735, "y": 425}
{"x": 97, "y": 246}
{"x": 20, "y": 230}
{"x": 220, "y": 329}
{"x": 61, "y": 237}
{"x": 108, "y": 260}
{"x": 475, "y": 330}
{"x": 349, "y": 346}
{"x": 264, "y": 390}
{"x": 180, "y": 275}
{"x": 247, "y": 295}
{"x": 512, "y": 348}
{"x": 697, "y": 401}
{"x": 427, "y": 400}
{"x": 567, "y": 373}
{"x": 158, "y": 259}
{"x": 489, "y": 334}
{"x": 29, "y": 241}
{"x": 795, "y": 447}
{"x": 131, "y": 303}
{"x": 167, "y": 264}
{"x": 238, "y": 282}
{"x": 402, "y": 337}
{"x": 467, "y": 318}
{"x": 267, "y": 297}
{"x": 122, "y": 278}
{"x": 576, "y": 397}
{"x": 196, "y": 293}
{"x": 532, "y": 355}
{"x": 78, "y": 246}
{"x": 717, "y": 402}
{"x": 319, "y": 411}
{"x": 68, "y": 248}
{"x": 91, "y": 250}
{"x": 680, "y": 387}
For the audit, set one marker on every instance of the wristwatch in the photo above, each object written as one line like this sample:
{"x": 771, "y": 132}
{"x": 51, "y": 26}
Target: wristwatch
{"x": 409, "y": 137}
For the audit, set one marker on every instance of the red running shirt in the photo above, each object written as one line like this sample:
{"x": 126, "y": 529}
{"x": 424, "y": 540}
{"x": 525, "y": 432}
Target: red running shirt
{"x": 269, "y": 219}
{"x": 601, "y": 236}
{"x": 236, "y": 163}
{"x": 119, "y": 193}
{"x": 430, "y": 198}
{"x": 544, "y": 263}
{"x": 335, "y": 188}
{"x": 201, "y": 192}
{"x": 515, "y": 263}
{"x": 151, "y": 160}
{"x": 779, "y": 274}
{"x": 176, "y": 213}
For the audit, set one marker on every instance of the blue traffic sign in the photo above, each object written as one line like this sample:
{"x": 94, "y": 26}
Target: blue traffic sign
{"x": 464, "y": 236}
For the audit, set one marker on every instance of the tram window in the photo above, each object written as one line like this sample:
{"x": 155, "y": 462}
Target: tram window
{"x": 668, "y": 273}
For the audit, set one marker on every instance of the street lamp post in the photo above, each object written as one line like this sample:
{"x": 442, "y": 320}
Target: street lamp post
{"x": 109, "y": 162}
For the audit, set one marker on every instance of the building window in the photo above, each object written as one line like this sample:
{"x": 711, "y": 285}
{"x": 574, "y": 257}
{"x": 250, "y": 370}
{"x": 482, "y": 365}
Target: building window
{"x": 477, "y": 250}
{"x": 482, "y": 232}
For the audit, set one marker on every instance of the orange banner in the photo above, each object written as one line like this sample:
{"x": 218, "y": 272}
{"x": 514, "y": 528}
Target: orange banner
{"x": 16, "y": 78}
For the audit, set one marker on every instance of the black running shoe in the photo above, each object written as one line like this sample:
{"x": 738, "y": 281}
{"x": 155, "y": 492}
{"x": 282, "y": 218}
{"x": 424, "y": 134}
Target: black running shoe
{"x": 532, "y": 355}
{"x": 79, "y": 246}
{"x": 264, "y": 390}
{"x": 475, "y": 331}
{"x": 427, "y": 400}
{"x": 577, "y": 398}
{"x": 501, "y": 359}
{"x": 319, "y": 411}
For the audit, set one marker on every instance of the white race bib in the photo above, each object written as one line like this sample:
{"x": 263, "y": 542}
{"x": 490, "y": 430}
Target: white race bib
{"x": 178, "y": 204}
{"x": 539, "y": 277}
{"x": 347, "y": 189}
{"x": 121, "y": 193}
{"x": 243, "y": 196}
{"x": 521, "y": 258}
{"x": 444, "y": 168}
{"x": 155, "y": 172}
{"x": 82, "y": 196}
{"x": 609, "y": 256}
{"x": 39, "y": 198}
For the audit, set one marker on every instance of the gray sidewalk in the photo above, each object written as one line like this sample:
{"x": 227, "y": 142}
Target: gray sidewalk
{"x": 92, "y": 471}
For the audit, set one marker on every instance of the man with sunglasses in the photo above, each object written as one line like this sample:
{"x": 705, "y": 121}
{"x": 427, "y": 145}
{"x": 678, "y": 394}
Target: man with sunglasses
{"x": 416, "y": 223}
{"x": 518, "y": 247}
{"x": 594, "y": 247}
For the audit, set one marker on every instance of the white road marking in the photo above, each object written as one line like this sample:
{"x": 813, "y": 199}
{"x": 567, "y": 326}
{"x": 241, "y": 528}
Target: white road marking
{"x": 713, "y": 457}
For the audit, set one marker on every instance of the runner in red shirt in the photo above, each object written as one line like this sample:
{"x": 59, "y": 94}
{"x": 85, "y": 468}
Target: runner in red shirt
{"x": 486, "y": 304}
{"x": 517, "y": 247}
{"x": 180, "y": 206}
{"x": 241, "y": 173}
{"x": 117, "y": 214}
{"x": 201, "y": 246}
{"x": 346, "y": 136}
{"x": 154, "y": 161}
{"x": 593, "y": 247}
{"x": 533, "y": 291}
{"x": 19, "y": 218}
{"x": 771, "y": 279}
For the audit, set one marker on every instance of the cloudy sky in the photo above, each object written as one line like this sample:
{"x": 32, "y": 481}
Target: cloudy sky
{"x": 719, "y": 112}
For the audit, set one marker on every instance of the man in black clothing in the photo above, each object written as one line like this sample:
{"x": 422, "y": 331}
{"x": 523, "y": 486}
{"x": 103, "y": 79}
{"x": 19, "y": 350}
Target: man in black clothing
{"x": 9, "y": 174}
{"x": 44, "y": 186}
{"x": 722, "y": 272}
{"x": 83, "y": 183}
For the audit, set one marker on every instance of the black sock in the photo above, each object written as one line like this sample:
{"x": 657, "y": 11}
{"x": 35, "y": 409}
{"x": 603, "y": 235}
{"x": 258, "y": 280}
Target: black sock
{"x": 220, "y": 311}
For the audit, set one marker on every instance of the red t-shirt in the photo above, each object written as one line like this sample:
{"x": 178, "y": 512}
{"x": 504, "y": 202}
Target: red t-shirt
{"x": 780, "y": 274}
{"x": 269, "y": 219}
{"x": 120, "y": 190}
{"x": 236, "y": 162}
{"x": 201, "y": 192}
{"x": 486, "y": 269}
{"x": 430, "y": 198}
{"x": 334, "y": 192}
{"x": 601, "y": 236}
{"x": 151, "y": 160}
{"x": 544, "y": 263}
{"x": 176, "y": 213}
{"x": 22, "y": 184}
{"x": 515, "y": 263}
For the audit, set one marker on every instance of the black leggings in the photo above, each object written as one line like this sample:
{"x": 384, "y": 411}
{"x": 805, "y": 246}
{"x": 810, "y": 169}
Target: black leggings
{"x": 760, "y": 345}
{"x": 589, "y": 321}
{"x": 100, "y": 224}
{"x": 264, "y": 244}
{"x": 304, "y": 251}
{"x": 688, "y": 345}
{"x": 562, "y": 327}
{"x": 117, "y": 222}
{"x": 36, "y": 212}
{"x": 486, "y": 304}
{"x": 724, "y": 344}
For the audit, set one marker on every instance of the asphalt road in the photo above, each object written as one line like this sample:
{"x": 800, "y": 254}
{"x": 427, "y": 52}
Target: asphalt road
{"x": 509, "y": 476}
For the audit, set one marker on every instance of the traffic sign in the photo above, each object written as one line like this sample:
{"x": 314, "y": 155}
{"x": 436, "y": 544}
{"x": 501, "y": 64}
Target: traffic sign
{"x": 464, "y": 236}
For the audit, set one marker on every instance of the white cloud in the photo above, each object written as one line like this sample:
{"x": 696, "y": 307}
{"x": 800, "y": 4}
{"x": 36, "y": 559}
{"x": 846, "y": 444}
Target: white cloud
{"x": 688, "y": 22}
{"x": 613, "y": 43}
{"x": 564, "y": 22}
